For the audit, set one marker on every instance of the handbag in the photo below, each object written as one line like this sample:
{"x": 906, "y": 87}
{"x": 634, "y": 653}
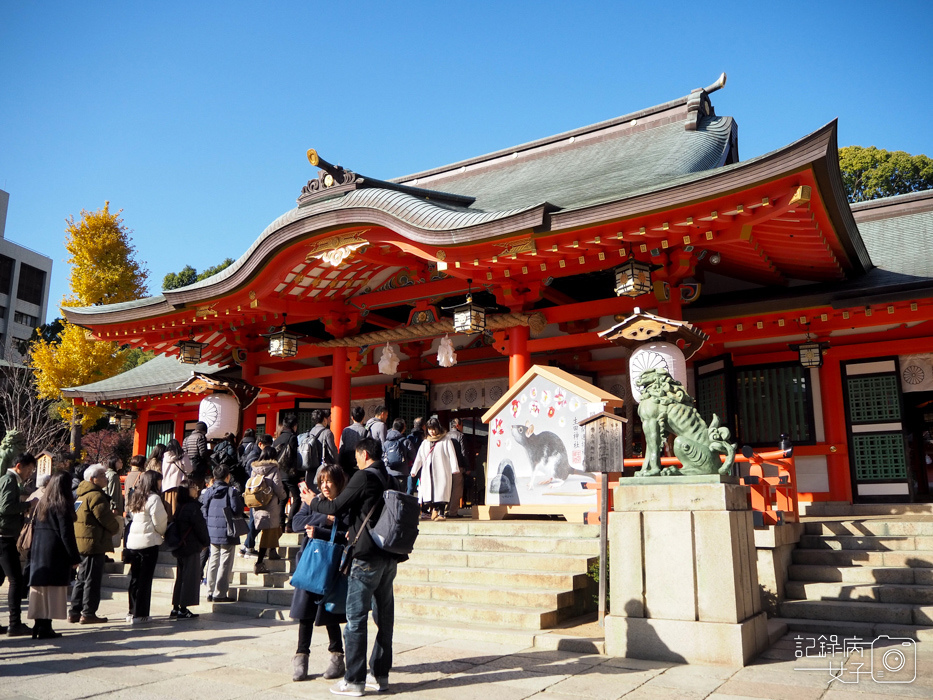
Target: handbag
{"x": 24, "y": 541}
{"x": 317, "y": 569}
{"x": 237, "y": 525}
{"x": 336, "y": 600}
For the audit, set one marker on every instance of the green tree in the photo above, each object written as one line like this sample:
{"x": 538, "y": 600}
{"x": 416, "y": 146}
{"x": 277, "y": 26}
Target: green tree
{"x": 872, "y": 173}
{"x": 189, "y": 275}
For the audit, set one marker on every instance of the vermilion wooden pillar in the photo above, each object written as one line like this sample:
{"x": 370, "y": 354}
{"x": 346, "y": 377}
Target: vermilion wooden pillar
{"x": 340, "y": 394}
{"x": 248, "y": 415}
{"x": 141, "y": 432}
{"x": 834, "y": 422}
{"x": 519, "y": 356}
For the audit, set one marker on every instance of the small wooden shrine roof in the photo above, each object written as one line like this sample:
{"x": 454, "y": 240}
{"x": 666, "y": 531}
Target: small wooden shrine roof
{"x": 587, "y": 391}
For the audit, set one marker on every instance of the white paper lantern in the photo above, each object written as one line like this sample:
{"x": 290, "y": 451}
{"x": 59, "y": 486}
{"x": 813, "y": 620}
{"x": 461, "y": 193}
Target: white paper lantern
{"x": 656, "y": 356}
{"x": 446, "y": 357}
{"x": 219, "y": 412}
{"x": 388, "y": 363}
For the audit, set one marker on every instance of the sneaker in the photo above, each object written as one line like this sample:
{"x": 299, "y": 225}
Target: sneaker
{"x": 185, "y": 614}
{"x": 341, "y": 687}
{"x": 274, "y": 555}
{"x": 380, "y": 685}
{"x": 223, "y": 599}
{"x": 91, "y": 620}
{"x": 129, "y": 618}
{"x": 140, "y": 620}
{"x": 172, "y": 615}
{"x": 210, "y": 599}
{"x": 19, "y": 630}
{"x": 260, "y": 568}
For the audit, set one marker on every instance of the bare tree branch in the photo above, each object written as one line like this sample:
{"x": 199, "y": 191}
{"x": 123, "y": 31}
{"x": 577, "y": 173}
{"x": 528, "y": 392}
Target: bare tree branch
{"x": 21, "y": 409}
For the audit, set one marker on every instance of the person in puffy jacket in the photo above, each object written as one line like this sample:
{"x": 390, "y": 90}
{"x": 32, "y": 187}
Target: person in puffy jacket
{"x": 192, "y": 538}
{"x": 214, "y": 504}
{"x": 176, "y": 467}
{"x": 145, "y": 536}
{"x": 269, "y": 517}
{"x": 94, "y": 530}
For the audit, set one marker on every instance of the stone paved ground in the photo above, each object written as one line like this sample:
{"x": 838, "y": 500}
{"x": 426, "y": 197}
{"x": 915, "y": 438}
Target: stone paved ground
{"x": 222, "y": 657}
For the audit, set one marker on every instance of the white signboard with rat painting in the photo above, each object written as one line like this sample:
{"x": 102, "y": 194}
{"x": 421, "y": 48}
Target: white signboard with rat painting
{"x": 535, "y": 459}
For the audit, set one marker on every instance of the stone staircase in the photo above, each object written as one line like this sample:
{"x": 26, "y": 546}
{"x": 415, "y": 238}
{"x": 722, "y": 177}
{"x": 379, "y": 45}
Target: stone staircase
{"x": 864, "y": 577}
{"x": 500, "y": 581}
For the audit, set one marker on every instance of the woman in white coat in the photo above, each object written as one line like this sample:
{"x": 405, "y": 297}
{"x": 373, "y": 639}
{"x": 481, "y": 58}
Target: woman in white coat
{"x": 437, "y": 462}
{"x": 145, "y": 536}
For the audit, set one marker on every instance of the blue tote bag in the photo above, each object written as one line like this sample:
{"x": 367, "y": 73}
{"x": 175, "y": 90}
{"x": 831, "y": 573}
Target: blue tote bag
{"x": 317, "y": 568}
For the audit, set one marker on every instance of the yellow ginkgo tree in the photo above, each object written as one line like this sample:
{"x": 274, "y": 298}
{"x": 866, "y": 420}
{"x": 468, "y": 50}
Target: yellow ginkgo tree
{"x": 103, "y": 271}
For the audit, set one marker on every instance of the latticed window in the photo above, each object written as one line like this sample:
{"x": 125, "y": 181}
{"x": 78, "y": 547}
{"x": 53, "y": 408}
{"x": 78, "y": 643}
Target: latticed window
{"x": 772, "y": 400}
{"x": 879, "y": 457}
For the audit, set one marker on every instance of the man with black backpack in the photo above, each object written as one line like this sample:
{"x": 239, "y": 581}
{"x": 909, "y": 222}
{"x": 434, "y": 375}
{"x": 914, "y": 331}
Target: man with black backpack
{"x": 396, "y": 451}
{"x": 286, "y": 450}
{"x": 195, "y": 446}
{"x": 317, "y": 446}
{"x": 372, "y": 574}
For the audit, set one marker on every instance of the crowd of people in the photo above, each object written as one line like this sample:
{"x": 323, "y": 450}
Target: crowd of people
{"x": 56, "y": 532}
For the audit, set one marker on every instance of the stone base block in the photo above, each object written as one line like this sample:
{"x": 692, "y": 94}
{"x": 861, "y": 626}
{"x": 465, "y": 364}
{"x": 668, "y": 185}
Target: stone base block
{"x": 686, "y": 641}
{"x": 677, "y": 493}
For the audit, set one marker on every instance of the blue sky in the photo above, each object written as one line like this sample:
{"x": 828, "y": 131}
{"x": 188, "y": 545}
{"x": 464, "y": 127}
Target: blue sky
{"x": 194, "y": 118}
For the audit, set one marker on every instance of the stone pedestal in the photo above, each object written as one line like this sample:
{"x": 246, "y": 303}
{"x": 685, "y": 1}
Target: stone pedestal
{"x": 683, "y": 574}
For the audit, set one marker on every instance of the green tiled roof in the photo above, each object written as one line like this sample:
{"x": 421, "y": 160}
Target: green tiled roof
{"x": 604, "y": 170}
{"x": 159, "y": 375}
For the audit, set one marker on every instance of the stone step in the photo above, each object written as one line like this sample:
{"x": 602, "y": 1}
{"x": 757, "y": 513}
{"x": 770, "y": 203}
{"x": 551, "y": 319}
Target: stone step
{"x": 510, "y": 528}
{"x": 494, "y": 560}
{"x": 529, "y": 545}
{"x": 859, "y": 574}
{"x": 857, "y": 611}
{"x": 247, "y": 564}
{"x": 865, "y": 631}
{"x": 494, "y": 613}
{"x": 852, "y": 557}
{"x": 861, "y": 510}
{"x": 479, "y": 594}
{"x": 270, "y": 597}
{"x": 249, "y": 609}
{"x": 121, "y": 582}
{"x": 885, "y": 543}
{"x": 886, "y": 593}
{"x": 412, "y": 573}
{"x": 871, "y": 528}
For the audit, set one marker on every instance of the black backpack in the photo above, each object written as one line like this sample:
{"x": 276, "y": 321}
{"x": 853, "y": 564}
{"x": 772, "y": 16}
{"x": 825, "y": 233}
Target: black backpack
{"x": 393, "y": 453}
{"x": 397, "y": 527}
{"x": 310, "y": 449}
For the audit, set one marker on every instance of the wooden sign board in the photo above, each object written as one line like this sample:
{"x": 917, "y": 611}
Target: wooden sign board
{"x": 604, "y": 442}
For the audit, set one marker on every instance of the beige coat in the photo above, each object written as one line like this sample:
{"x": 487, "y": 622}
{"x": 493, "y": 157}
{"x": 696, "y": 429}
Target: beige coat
{"x": 436, "y": 467}
{"x": 269, "y": 517}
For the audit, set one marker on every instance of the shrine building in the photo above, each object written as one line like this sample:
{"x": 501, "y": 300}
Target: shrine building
{"x": 818, "y": 313}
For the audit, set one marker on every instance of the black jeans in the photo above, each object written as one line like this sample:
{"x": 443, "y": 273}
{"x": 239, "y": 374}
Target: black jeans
{"x": 306, "y": 627}
{"x": 9, "y": 561}
{"x": 142, "y": 569}
{"x": 85, "y": 599}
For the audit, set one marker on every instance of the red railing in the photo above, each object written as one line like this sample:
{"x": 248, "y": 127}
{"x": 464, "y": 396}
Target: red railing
{"x": 773, "y": 498}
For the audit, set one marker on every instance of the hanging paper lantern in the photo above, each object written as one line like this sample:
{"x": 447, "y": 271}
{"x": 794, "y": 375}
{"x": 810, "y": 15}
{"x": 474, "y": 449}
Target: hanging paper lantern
{"x": 219, "y": 412}
{"x": 656, "y": 356}
{"x": 446, "y": 357}
{"x": 388, "y": 363}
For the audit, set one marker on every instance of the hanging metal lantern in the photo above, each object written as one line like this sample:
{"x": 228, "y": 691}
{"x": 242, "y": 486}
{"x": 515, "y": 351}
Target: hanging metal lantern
{"x": 633, "y": 279}
{"x": 189, "y": 351}
{"x": 126, "y": 421}
{"x": 283, "y": 343}
{"x": 809, "y": 353}
{"x": 469, "y": 317}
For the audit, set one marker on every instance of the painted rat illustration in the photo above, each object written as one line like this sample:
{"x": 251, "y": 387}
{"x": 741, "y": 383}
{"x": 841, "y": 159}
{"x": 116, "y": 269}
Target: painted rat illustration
{"x": 546, "y": 453}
